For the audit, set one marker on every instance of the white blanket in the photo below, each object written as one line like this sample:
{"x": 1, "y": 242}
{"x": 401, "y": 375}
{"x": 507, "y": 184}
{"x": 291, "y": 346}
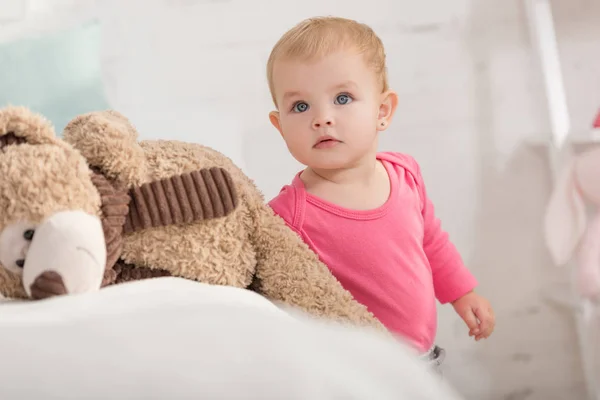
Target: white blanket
{"x": 169, "y": 338}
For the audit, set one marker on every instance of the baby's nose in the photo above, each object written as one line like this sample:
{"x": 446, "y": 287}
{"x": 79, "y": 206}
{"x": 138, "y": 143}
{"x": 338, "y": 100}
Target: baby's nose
{"x": 323, "y": 121}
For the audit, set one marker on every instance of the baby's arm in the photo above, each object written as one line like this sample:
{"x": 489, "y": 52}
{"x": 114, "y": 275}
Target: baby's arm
{"x": 453, "y": 283}
{"x": 451, "y": 278}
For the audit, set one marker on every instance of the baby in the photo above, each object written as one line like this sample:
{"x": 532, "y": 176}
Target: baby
{"x": 365, "y": 213}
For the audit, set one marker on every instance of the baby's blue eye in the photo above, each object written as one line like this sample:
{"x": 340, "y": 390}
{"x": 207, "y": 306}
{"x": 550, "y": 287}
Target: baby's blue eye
{"x": 300, "y": 107}
{"x": 343, "y": 99}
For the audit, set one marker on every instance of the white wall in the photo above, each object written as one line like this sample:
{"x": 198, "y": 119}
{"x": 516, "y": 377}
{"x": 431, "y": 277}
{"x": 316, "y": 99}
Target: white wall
{"x": 470, "y": 94}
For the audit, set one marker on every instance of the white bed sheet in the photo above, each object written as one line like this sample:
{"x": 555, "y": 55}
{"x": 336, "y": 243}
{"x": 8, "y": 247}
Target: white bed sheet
{"x": 169, "y": 338}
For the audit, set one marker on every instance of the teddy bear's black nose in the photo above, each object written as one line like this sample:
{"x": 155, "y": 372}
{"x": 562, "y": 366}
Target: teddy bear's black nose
{"x": 20, "y": 263}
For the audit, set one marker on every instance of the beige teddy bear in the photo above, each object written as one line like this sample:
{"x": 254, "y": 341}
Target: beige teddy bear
{"x": 97, "y": 207}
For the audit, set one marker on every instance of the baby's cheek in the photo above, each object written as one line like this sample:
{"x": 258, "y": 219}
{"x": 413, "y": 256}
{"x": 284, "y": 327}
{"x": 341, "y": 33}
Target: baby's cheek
{"x": 295, "y": 139}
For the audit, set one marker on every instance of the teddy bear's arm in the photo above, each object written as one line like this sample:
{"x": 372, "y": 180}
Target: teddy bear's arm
{"x": 288, "y": 271}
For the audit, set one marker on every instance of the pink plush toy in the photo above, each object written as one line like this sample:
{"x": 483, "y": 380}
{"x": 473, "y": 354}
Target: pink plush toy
{"x": 567, "y": 230}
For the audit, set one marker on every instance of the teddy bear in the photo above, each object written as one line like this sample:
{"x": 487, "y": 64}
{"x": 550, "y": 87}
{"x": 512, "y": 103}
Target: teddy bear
{"x": 98, "y": 207}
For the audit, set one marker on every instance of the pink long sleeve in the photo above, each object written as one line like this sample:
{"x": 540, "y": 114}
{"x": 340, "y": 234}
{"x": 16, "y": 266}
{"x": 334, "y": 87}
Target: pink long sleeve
{"x": 451, "y": 279}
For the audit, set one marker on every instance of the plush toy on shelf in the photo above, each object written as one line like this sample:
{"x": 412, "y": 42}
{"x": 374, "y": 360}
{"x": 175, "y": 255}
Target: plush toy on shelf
{"x": 98, "y": 207}
{"x": 569, "y": 231}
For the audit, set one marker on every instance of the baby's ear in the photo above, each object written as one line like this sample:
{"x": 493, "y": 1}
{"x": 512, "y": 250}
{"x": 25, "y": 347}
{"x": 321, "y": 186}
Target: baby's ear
{"x": 109, "y": 142}
{"x": 20, "y": 124}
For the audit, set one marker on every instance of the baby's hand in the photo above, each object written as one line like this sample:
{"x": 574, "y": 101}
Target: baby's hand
{"x": 477, "y": 313}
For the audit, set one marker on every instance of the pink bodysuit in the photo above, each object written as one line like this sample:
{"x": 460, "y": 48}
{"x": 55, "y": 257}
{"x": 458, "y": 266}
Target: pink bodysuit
{"x": 395, "y": 259}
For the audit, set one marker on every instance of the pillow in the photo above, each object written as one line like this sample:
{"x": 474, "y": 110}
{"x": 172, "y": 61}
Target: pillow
{"x": 56, "y": 74}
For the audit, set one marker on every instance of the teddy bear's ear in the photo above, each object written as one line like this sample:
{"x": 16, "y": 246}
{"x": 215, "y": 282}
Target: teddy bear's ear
{"x": 109, "y": 143}
{"x": 20, "y": 124}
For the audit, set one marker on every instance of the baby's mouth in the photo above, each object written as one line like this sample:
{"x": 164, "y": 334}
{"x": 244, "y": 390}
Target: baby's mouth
{"x": 326, "y": 142}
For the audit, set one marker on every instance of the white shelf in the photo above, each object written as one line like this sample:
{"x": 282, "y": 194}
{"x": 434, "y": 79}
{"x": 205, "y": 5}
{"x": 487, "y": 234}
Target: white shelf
{"x": 586, "y": 313}
{"x": 560, "y": 145}
{"x": 578, "y": 138}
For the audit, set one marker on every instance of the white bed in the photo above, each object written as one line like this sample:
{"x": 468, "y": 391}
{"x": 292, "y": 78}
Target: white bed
{"x": 169, "y": 338}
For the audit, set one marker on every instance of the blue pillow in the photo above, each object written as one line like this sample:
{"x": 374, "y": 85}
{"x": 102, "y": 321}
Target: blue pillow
{"x": 58, "y": 74}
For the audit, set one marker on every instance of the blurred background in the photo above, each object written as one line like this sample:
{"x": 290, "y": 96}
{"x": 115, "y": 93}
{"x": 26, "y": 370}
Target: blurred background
{"x": 481, "y": 111}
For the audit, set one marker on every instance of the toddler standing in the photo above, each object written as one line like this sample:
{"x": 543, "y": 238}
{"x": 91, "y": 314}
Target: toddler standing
{"x": 365, "y": 213}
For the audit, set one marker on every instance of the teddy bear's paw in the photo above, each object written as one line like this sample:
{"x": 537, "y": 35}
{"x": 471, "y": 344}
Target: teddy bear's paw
{"x": 21, "y": 125}
{"x": 109, "y": 143}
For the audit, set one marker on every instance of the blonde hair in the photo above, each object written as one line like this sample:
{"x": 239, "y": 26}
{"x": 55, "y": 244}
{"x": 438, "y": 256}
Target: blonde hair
{"x": 316, "y": 37}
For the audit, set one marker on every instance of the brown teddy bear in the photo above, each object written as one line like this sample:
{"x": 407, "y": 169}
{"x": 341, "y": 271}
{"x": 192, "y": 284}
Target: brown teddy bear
{"x": 97, "y": 208}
